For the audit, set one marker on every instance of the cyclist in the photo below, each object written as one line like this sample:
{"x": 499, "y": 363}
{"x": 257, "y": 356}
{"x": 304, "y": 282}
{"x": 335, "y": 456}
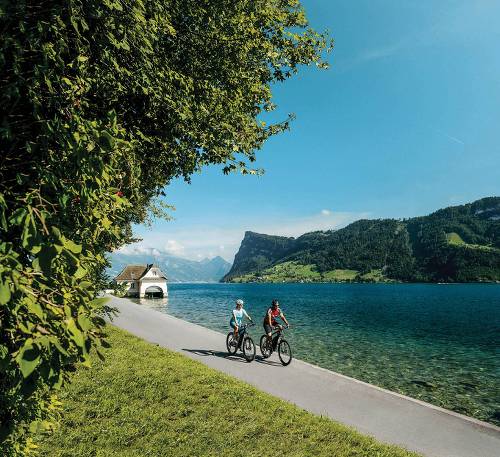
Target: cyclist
{"x": 236, "y": 318}
{"x": 270, "y": 322}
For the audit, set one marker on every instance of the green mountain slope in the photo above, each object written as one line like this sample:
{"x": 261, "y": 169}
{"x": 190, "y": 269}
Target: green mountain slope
{"x": 460, "y": 243}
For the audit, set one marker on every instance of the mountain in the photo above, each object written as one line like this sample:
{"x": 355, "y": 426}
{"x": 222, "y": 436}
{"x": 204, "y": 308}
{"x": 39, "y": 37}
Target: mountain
{"x": 455, "y": 244}
{"x": 177, "y": 269}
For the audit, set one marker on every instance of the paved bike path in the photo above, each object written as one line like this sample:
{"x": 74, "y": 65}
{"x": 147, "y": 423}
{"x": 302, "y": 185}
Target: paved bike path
{"x": 387, "y": 416}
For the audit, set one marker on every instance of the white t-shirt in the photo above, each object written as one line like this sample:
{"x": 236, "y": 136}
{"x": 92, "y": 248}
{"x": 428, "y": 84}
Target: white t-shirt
{"x": 238, "y": 315}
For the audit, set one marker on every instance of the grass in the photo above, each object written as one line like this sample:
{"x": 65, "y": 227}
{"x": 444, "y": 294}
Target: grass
{"x": 456, "y": 240}
{"x": 375, "y": 276}
{"x": 147, "y": 401}
{"x": 295, "y": 272}
{"x": 284, "y": 272}
{"x": 340, "y": 275}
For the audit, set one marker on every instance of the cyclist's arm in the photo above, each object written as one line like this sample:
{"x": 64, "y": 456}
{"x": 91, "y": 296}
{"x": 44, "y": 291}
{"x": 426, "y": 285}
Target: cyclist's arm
{"x": 234, "y": 318}
{"x": 247, "y": 316}
{"x": 269, "y": 319}
{"x": 282, "y": 316}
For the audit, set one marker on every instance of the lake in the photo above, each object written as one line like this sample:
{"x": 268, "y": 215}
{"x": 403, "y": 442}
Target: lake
{"x": 437, "y": 343}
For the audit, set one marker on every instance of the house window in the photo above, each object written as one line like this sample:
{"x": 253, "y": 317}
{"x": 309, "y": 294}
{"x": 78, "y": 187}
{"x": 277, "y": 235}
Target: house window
{"x": 132, "y": 285}
{"x": 155, "y": 273}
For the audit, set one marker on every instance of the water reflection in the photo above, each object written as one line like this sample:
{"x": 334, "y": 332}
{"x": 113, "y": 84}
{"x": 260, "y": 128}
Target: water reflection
{"x": 160, "y": 304}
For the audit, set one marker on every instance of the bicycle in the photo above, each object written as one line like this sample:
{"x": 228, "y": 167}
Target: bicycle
{"x": 277, "y": 342}
{"x": 245, "y": 342}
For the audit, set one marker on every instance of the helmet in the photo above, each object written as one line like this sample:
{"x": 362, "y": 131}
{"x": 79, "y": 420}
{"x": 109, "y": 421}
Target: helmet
{"x": 275, "y": 303}
{"x": 239, "y": 302}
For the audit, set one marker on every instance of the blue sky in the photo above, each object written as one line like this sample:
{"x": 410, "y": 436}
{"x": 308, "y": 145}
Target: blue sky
{"x": 406, "y": 121}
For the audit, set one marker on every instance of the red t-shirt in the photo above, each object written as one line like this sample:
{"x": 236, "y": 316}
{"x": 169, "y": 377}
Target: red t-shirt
{"x": 274, "y": 313}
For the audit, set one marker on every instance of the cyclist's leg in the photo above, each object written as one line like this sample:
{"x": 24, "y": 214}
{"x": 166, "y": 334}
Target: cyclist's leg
{"x": 268, "y": 330}
{"x": 234, "y": 326}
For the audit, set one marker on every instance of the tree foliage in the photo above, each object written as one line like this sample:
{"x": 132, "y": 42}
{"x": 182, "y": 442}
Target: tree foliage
{"x": 103, "y": 103}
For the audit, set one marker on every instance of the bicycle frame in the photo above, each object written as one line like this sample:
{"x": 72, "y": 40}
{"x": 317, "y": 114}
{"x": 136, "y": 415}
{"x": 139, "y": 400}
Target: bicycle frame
{"x": 242, "y": 332}
{"x": 276, "y": 336}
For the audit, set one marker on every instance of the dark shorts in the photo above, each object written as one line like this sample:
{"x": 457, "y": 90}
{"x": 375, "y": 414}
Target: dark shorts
{"x": 268, "y": 328}
{"x": 232, "y": 324}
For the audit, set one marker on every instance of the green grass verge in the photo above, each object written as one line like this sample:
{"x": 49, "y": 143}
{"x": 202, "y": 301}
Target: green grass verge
{"x": 147, "y": 401}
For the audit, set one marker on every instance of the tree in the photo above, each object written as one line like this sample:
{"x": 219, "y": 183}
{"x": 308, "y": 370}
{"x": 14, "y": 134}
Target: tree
{"x": 103, "y": 103}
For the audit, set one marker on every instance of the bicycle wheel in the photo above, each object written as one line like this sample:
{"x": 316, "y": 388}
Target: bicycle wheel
{"x": 285, "y": 352}
{"x": 248, "y": 349}
{"x": 266, "y": 349}
{"x": 231, "y": 343}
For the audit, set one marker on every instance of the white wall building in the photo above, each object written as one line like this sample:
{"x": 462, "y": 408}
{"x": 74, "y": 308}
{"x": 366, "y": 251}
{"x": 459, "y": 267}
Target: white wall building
{"x": 143, "y": 281}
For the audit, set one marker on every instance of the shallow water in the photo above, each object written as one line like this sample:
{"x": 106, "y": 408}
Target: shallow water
{"x": 437, "y": 343}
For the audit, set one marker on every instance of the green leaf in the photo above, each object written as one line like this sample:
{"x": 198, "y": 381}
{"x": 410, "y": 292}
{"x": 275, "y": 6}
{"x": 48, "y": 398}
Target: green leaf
{"x": 55, "y": 341}
{"x": 72, "y": 246}
{"x": 28, "y": 358}
{"x": 17, "y": 216}
{"x": 99, "y": 302}
{"x": 106, "y": 223}
{"x": 76, "y": 332}
{"x": 84, "y": 322}
{"x": 3, "y": 206}
{"x": 4, "y": 358}
{"x": 107, "y": 140}
{"x": 4, "y": 293}
{"x": 45, "y": 258}
{"x": 56, "y": 232}
{"x": 35, "y": 308}
{"x": 80, "y": 273}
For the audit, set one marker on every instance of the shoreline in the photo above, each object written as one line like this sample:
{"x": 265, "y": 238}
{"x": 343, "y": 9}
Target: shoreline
{"x": 341, "y": 282}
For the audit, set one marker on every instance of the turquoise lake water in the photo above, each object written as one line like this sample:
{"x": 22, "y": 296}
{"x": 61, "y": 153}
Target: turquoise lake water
{"x": 437, "y": 343}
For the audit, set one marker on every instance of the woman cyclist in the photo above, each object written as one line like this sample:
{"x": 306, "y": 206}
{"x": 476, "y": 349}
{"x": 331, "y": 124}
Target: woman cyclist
{"x": 236, "y": 318}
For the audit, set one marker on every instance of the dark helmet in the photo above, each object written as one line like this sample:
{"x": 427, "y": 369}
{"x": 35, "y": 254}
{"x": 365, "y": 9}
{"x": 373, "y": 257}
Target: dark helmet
{"x": 274, "y": 303}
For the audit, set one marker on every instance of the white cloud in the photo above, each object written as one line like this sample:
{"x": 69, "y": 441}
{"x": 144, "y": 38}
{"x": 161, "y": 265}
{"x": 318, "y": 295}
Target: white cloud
{"x": 174, "y": 247}
{"x": 326, "y": 212}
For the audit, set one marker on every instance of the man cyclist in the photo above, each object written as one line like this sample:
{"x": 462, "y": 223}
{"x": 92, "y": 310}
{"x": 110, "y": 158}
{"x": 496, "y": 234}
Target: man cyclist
{"x": 270, "y": 322}
{"x": 236, "y": 318}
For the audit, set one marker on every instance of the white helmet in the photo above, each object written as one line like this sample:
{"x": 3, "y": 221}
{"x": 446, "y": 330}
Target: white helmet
{"x": 239, "y": 302}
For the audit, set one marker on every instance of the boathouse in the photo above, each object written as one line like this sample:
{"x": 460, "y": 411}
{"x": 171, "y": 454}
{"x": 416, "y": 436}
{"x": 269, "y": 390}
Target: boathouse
{"x": 144, "y": 281}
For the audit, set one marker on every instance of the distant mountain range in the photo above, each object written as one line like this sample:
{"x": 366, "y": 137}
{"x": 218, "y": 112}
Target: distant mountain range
{"x": 177, "y": 269}
{"x": 455, "y": 244}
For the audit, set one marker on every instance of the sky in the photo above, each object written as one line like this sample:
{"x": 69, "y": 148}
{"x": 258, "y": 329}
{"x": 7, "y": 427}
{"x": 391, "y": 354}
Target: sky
{"x": 406, "y": 121}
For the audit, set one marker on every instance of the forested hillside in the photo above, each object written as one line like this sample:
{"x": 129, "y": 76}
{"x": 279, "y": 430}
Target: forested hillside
{"x": 460, "y": 243}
